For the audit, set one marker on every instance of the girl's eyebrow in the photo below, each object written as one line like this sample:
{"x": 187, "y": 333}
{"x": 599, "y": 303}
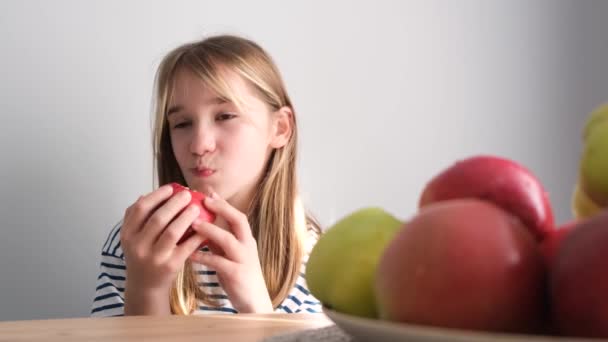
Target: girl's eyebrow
{"x": 216, "y": 101}
{"x": 174, "y": 109}
{"x": 219, "y": 100}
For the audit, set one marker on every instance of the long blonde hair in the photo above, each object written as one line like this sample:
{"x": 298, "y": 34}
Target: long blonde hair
{"x": 278, "y": 220}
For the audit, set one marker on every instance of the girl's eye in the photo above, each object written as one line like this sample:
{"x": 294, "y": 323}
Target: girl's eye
{"x": 182, "y": 125}
{"x": 224, "y": 116}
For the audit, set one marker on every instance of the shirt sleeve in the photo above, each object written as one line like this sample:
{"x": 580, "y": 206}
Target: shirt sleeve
{"x": 109, "y": 293}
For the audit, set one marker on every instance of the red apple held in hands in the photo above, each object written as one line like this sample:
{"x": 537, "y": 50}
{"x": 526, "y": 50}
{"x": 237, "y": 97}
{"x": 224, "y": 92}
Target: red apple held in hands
{"x": 579, "y": 280}
{"x": 501, "y": 181}
{"x": 197, "y": 199}
{"x": 552, "y": 242}
{"x": 464, "y": 264}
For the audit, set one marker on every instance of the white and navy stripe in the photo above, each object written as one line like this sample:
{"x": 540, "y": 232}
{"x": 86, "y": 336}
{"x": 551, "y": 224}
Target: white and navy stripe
{"x": 109, "y": 294}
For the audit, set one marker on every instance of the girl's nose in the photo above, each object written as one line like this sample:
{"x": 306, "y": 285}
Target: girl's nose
{"x": 203, "y": 141}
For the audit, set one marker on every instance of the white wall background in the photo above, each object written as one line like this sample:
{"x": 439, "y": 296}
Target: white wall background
{"x": 387, "y": 93}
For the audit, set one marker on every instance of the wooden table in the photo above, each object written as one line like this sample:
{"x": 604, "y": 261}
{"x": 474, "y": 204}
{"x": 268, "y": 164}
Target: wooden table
{"x": 225, "y": 328}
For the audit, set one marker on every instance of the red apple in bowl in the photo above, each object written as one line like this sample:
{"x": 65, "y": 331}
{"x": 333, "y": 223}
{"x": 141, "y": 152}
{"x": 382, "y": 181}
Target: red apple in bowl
{"x": 501, "y": 181}
{"x": 554, "y": 239}
{"x": 465, "y": 264}
{"x": 579, "y": 280}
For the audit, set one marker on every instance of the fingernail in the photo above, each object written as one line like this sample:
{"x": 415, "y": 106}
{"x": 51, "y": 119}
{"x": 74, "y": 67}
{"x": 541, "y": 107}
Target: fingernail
{"x": 194, "y": 209}
{"x": 214, "y": 195}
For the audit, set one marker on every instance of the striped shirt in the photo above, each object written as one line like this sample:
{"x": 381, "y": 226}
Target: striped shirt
{"x": 109, "y": 294}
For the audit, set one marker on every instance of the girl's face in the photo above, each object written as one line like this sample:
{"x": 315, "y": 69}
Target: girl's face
{"x": 216, "y": 144}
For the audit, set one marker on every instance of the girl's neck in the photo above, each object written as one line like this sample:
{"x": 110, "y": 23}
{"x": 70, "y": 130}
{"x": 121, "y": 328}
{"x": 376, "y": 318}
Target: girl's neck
{"x": 240, "y": 201}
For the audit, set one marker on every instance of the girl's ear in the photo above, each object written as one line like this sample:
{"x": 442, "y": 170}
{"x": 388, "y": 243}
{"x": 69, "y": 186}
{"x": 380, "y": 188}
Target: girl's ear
{"x": 282, "y": 127}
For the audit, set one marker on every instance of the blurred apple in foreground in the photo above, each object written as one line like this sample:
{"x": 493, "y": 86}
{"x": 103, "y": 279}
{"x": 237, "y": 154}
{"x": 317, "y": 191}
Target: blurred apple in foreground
{"x": 501, "y": 181}
{"x": 553, "y": 241}
{"x": 579, "y": 280}
{"x": 583, "y": 206}
{"x": 342, "y": 264}
{"x": 464, "y": 264}
{"x": 593, "y": 170}
{"x": 597, "y": 116}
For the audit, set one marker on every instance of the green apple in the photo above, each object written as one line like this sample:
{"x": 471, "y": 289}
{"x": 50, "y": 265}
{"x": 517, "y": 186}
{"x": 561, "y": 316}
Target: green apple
{"x": 341, "y": 267}
{"x": 600, "y": 114}
{"x": 583, "y": 206}
{"x": 594, "y": 164}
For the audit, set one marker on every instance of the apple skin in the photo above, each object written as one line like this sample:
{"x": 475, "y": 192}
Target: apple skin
{"x": 582, "y": 206}
{"x": 465, "y": 264}
{"x": 593, "y": 169}
{"x": 550, "y": 245}
{"x": 341, "y": 265}
{"x": 597, "y": 116}
{"x": 501, "y": 181}
{"x": 197, "y": 198}
{"x": 579, "y": 280}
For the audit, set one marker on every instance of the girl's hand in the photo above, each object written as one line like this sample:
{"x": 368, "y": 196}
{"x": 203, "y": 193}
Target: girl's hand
{"x": 151, "y": 228}
{"x": 237, "y": 262}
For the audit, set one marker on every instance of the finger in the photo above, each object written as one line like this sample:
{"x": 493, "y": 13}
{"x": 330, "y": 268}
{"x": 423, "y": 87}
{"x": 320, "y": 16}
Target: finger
{"x": 220, "y": 238}
{"x": 237, "y": 221}
{"x": 127, "y": 229}
{"x": 215, "y": 249}
{"x": 218, "y": 263}
{"x": 138, "y": 213}
{"x": 175, "y": 230}
{"x": 189, "y": 246}
{"x": 129, "y": 210}
{"x": 162, "y": 217}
